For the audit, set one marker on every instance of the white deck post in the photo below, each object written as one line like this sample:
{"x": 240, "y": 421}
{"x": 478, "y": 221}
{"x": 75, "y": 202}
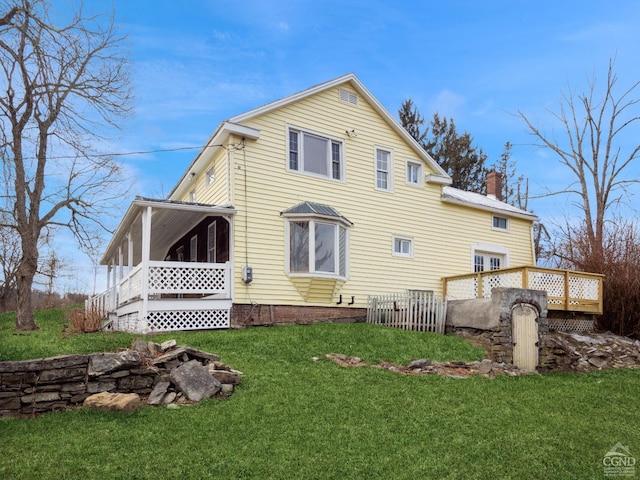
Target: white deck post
{"x": 146, "y": 253}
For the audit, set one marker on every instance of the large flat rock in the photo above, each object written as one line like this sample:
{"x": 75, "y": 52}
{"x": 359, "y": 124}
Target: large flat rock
{"x": 194, "y": 381}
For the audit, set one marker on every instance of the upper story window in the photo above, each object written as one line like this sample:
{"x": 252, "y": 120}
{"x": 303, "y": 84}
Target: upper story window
{"x": 500, "y": 223}
{"x": 402, "y": 246}
{"x": 210, "y": 176}
{"x": 192, "y": 195}
{"x": 314, "y": 154}
{"x": 414, "y": 173}
{"x": 384, "y": 172}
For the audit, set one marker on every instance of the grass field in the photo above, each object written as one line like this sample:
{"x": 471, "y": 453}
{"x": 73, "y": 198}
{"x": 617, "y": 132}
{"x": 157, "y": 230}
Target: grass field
{"x": 296, "y": 418}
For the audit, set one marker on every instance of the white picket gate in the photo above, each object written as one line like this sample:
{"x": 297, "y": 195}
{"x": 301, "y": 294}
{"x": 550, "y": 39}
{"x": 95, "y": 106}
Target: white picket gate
{"x": 415, "y": 310}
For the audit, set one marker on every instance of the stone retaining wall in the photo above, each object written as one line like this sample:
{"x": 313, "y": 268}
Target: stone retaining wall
{"x": 30, "y": 387}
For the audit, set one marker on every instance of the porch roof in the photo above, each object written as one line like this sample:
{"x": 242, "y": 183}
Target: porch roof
{"x": 170, "y": 219}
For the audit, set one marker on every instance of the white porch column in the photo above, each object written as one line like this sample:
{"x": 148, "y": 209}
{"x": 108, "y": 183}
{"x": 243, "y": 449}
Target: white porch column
{"x": 146, "y": 253}
{"x": 120, "y": 263}
{"x": 130, "y": 250}
{"x": 113, "y": 270}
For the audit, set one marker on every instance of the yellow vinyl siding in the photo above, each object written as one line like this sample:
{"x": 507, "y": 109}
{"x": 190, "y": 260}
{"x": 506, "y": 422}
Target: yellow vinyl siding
{"x": 216, "y": 193}
{"x": 442, "y": 233}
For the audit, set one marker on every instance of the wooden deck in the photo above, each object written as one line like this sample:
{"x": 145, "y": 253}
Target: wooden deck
{"x": 567, "y": 290}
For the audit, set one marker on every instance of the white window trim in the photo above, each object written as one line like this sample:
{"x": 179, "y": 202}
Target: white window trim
{"x": 192, "y": 195}
{"x": 400, "y": 254}
{"x": 389, "y": 168}
{"x": 490, "y": 249}
{"x": 499, "y": 229}
{"x": 312, "y": 273}
{"x": 331, "y": 139}
{"x": 420, "y": 182}
{"x": 210, "y": 175}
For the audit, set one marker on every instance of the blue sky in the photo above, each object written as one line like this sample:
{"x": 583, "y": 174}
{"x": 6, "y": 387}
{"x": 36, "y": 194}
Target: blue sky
{"x": 198, "y": 62}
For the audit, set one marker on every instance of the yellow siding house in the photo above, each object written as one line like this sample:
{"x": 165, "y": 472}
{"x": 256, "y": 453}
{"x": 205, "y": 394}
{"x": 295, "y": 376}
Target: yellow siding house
{"x": 297, "y": 211}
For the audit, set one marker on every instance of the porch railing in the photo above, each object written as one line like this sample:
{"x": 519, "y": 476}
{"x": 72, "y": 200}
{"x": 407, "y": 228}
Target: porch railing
{"x": 566, "y": 290}
{"x": 412, "y": 310}
{"x": 189, "y": 278}
{"x": 166, "y": 278}
{"x": 103, "y": 303}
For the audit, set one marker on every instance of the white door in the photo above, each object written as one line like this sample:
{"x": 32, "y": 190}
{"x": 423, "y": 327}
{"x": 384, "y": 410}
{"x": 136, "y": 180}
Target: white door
{"x": 525, "y": 336}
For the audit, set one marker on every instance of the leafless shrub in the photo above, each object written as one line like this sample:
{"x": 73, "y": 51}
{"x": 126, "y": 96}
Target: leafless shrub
{"x": 82, "y": 321}
{"x": 619, "y": 262}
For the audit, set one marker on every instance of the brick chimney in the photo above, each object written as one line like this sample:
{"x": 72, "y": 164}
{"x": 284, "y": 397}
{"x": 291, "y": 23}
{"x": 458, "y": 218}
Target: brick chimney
{"x": 494, "y": 185}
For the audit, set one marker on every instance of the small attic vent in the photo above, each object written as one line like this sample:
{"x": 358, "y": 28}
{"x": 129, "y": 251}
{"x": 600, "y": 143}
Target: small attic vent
{"x": 347, "y": 96}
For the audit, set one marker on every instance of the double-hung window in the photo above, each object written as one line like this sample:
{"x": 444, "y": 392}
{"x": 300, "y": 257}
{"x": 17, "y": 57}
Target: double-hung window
{"x": 315, "y": 155}
{"x": 384, "y": 173}
{"x": 317, "y": 247}
{"x": 414, "y": 173}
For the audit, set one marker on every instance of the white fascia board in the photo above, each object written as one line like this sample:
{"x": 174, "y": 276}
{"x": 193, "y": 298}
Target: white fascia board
{"x": 123, "y": 229}
{"x": 362, "y": 90}
{"x": 292, "y": 98}
{"x": 210, "y": 148}
{"x": 505, "y": 212}
{"x": 399, "y": 129}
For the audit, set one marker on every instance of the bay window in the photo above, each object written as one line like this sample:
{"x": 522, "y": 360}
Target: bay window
{"x": 317, "y": 247}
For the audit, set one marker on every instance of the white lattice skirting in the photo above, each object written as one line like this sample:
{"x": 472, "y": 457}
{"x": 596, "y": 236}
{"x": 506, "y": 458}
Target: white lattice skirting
{"x": 163, "y": 321}
{"x": 173, "y": 320}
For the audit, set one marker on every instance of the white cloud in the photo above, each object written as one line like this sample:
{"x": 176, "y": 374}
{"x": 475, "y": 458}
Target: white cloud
{"x": 283, "y": 27}
{"x": 447, "y": 103}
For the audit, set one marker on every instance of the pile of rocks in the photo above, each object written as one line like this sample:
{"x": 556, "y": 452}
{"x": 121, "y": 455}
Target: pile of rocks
{"x": 485, "y": 367}
{"x": 183, "y": 375}
{"x": 582, "y": 352}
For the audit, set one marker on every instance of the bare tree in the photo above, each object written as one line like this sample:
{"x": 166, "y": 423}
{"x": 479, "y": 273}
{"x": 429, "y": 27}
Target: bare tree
{"x": 592, "y": 147}
{"x": 9, "y": 260}
{"x": 64, "y": 84}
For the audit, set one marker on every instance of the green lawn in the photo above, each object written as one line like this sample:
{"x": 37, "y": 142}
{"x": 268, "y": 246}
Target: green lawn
{"x": 296, "y": 418}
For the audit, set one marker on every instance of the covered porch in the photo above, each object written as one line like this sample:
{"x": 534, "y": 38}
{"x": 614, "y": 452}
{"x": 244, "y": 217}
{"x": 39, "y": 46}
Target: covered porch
{"x": 169, "y": 267}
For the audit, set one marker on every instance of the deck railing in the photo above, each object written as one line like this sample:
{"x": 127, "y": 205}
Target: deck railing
{"x": 412, "y": 310}
{"x": 566, "y": 290}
